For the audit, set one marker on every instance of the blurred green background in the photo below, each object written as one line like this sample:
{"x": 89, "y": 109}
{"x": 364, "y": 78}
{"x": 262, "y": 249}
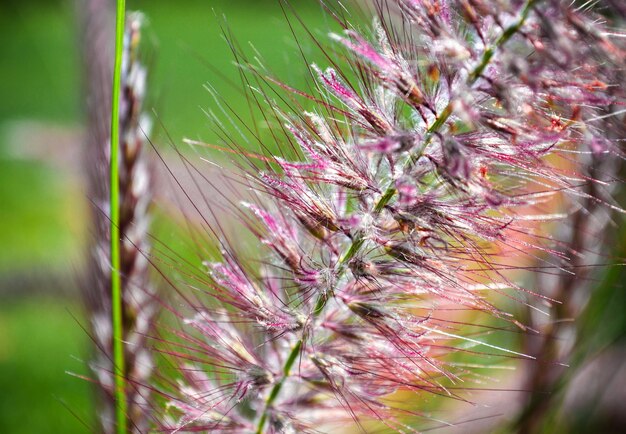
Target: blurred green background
{"x": 43, "y": 205}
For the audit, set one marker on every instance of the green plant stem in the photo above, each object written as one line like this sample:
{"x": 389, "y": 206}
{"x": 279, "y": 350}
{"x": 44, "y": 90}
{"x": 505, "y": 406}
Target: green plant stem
{"x": 278, "y": 386}
{"x": 116, "y": 281}
{"x": 502, "y": 39}
{"x": 387, "y": 196}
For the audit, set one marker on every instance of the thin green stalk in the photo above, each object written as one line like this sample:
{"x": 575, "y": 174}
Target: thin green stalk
{"x": 116, "y": 281}
{"x": 387, "y": 196}
{"x": 291, "y": 359}
{"x": 504, "y": 37}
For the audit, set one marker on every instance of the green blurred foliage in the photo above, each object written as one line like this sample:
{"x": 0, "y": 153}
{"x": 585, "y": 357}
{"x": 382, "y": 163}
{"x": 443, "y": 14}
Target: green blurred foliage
{"x": 40, "y": 342}
{"x": 39, "y": 75}
{"x": 39, "y": 218}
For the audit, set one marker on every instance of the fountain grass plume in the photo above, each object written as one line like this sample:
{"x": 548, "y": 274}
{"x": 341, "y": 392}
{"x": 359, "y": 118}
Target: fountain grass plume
{"x": 427, "y": 170}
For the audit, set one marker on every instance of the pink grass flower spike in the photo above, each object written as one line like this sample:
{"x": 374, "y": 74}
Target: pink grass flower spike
{"x": 435, "y": 157}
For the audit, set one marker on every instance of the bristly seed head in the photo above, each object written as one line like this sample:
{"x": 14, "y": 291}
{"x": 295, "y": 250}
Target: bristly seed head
{"x": 421, "y": 176}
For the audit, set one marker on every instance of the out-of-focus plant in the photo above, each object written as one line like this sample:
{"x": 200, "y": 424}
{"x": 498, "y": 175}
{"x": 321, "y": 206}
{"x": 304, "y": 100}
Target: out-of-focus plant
{"x": 120, "y": 296}
{"x": 562, "y": 344}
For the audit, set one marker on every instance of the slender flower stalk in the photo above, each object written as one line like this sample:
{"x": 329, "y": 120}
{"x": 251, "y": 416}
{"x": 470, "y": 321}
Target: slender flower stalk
{"x": 119, "y": 364}
{"x": 424, "y": 173}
